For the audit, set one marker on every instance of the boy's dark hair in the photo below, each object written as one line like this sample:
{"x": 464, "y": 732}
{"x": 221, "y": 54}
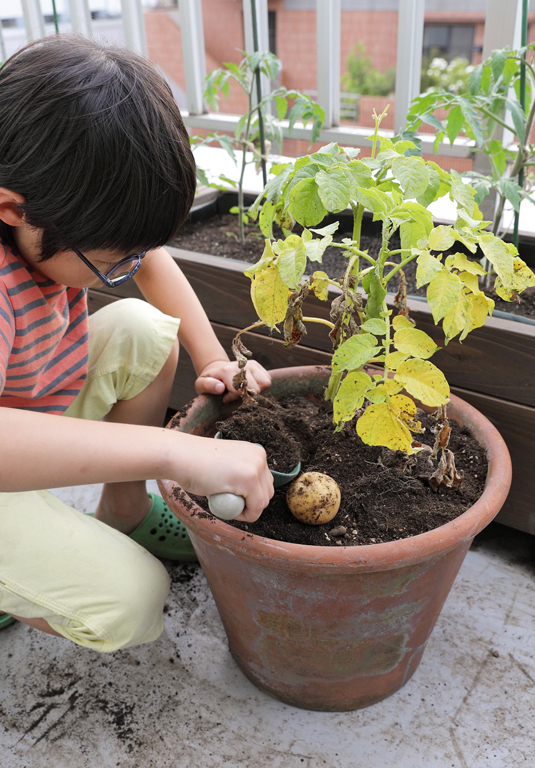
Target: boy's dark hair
{"x": 91, "y": 137}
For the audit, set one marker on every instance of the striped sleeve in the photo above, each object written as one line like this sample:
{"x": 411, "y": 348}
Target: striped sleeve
{"x": 7, "y": 334}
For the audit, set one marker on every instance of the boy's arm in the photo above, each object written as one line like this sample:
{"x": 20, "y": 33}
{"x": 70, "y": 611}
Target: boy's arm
{"x": 165, "y": 286}
{"x": 40, "y": 450}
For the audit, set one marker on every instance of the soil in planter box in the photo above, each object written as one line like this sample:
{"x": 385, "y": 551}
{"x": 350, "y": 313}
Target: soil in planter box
{"x": 385, "y": 495}
{"x": 219, "y": 236}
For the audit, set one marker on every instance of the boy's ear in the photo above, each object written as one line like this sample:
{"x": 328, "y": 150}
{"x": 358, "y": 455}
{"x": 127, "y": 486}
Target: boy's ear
{"x": 10, "y": 212}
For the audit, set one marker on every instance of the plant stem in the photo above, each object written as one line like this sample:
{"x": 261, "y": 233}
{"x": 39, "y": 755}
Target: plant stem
{"x": 358, "y": 211}
{"x": 318, "y": 320}
{"x": 397, "y": 268}
{"x": 259, "y": 96}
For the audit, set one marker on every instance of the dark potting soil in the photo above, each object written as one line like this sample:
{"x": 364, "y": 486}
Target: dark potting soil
{"x": 219, "y": 236}
{"x": 385, "y": 495}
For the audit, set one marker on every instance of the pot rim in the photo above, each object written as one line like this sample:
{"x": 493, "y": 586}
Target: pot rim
{"x": 369, "y": 557}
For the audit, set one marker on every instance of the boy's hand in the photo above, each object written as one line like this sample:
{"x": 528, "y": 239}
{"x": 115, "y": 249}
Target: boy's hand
{"x": 217, "y": 377}
{"x": 227, "y": 466}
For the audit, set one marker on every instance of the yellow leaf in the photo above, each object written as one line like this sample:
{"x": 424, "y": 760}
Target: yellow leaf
{"x": 441, "y": 238}
{"x": 400, "y": 321}
{"x": 415, "y": 343}
{"x": 423, "y": 381}
{"x": 378, "y": 425}
{"x": 350, "y": 396}
{"x": 394, "y": 359}
{"x": 270, "y": 296}
{"x": 470, "y": 281}
{"x": 401, "y": 404}
{"x": 523, "y": 278}
{"x": 478, "y": 309}
{"x": 442, "y": 294}
{"x": 455, "y": 320}
{"x": 461, "y": 262}
{"x": 427, "y": 267}
{"x": 392, "y": 387}
{"x": 378, "y": 394}
{"x": 320, "y": 285}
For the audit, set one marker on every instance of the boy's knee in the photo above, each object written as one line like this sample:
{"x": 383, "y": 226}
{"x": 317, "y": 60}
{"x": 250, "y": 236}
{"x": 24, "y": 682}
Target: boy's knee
{"x": 138, "y": 616}
{"x": 131, "y": 613}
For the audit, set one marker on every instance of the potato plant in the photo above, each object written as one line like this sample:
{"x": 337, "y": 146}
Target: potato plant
{"x": 398, "y": 189}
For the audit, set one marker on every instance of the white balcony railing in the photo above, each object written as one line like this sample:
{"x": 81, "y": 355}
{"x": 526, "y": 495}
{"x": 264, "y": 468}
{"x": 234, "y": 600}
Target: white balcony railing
{"x": 502, "y": 27}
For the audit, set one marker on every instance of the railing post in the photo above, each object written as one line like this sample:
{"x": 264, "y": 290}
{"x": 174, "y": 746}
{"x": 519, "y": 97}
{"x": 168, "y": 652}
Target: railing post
{"x": 80, "y": 17}
{"x": 328, "y": 14}
{"x": 134, "y": 26}
{"x": 33, "y": 19}
{"x": 194, "y": 54}
{"x": 409, "y": 57}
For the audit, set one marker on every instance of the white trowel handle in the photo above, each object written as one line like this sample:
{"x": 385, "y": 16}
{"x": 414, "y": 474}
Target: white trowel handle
{"x": 226, "y": 506}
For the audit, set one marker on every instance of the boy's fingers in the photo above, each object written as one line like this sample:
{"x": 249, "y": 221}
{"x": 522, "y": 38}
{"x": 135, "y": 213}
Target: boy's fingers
{"x": 207, "y": 385}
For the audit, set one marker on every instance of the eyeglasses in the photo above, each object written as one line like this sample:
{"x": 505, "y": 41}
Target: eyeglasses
{"x": 118, "y": 274}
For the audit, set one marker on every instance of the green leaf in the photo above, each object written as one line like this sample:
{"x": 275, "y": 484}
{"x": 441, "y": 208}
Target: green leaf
{"x": 496, "y": 150}
{"x": 424, "y": 381}
{"x": 292, "y": 261}
{"x": 454, "y": 123}
{"x": 431, "y": 192}
{"x": 519, "y": 119}
{"x": 350, "y": 396}
{"x": 330, "y": 229}
{"x": 472, "y": 120}
{"x": 413, "y": 342}
{"x": 499, "y": 256}
{"x": 377, "y": 202}
{"x": 282, "y": 106}
{"x": 265, "y": 219}
{"x": 316, "y": 248}
{"x": 305, "y": 203}
{"x": 497, "y": 62}
{"x": 510, "y": 190}
{"x": 275, "y": 185}
{"x": 269, "y": 296}
{"x": 376, "y": 297}
{"x": 442, "y": 293}
{"x": 360, "y": 175}
{"x": 333, "y": 188}
{"x": 463, "y": 194}
{"x": 427, "y": 268}
{"x": 412, "y": 174}
{"x": 375, "y": 325}
{"x": 355, "y": 352}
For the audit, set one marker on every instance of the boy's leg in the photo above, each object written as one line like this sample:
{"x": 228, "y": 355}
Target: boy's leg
{"x": 132, "y": 362}
{"x": 125, "y": 505}
{"x": 65, "y": 573}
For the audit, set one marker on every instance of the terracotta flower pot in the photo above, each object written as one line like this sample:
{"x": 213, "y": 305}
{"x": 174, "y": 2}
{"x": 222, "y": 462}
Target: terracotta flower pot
{"x": 332, "y": 628}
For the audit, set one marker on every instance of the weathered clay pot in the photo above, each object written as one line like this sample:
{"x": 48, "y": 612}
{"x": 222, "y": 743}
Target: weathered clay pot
{"x": 332, "y": 628}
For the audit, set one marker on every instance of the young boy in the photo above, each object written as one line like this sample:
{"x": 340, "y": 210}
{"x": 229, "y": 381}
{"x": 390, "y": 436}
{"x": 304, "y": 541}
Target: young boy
{"x": 96, "y": 174}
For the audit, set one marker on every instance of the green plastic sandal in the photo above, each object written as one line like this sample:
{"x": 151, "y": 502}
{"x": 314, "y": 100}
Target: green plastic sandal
{"x": 163, "y": 535}
{"x": 6, "y": 620}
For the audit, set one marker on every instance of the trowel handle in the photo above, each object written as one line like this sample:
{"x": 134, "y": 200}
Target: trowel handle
{"x": 226, "y": 506}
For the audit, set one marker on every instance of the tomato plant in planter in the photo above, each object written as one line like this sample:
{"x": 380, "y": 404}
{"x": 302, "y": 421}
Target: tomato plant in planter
{"x": 257, "y": 125}
{"x": 397, "y": 188}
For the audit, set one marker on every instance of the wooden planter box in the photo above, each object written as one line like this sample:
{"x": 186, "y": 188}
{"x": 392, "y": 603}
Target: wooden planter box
{"x": 493, "y": 369}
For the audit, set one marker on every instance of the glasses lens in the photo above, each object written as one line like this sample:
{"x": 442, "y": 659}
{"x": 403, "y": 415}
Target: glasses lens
{"x": 124, "y": 269}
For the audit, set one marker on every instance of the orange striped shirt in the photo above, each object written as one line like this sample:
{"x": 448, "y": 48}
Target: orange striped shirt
{"x": 43, "y": 338}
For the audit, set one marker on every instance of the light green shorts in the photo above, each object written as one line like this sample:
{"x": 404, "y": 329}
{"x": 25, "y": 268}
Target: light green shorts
{"x": 91, "y": 583}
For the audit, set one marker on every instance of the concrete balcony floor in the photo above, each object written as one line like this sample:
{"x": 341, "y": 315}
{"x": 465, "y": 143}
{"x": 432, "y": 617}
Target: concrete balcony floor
{"x": 181, "y": 702}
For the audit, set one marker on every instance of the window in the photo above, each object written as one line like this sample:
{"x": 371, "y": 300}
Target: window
{"x": 272, "y": 31}
{"x": 448, "y": 41}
